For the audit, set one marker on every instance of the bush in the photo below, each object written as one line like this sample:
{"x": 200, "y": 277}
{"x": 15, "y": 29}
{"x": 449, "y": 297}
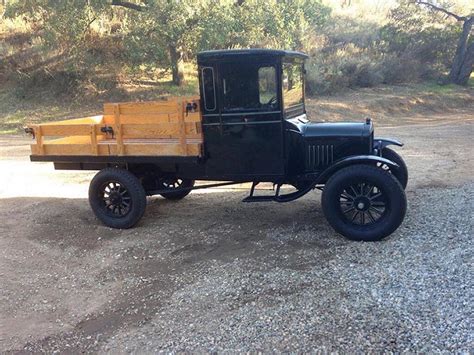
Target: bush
{"x": 346, "y": 67}
{"x": 61, "y": 83}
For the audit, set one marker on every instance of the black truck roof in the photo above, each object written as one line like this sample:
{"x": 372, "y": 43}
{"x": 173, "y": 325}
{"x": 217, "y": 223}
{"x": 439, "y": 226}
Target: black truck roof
{"x": 236, "y": 53}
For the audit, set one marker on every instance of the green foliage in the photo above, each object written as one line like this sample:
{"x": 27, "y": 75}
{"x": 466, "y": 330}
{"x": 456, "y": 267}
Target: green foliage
{"x": 79, "y": 45}
{"x": 427, "y": 37}
{"x": 413, "y": 45}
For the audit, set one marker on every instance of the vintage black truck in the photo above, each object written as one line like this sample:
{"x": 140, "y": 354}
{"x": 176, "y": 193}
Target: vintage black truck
{"x": 249, "y": 124}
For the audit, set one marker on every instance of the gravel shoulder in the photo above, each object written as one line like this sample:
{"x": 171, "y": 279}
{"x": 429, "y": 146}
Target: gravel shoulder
{"x": 212, "y": 274}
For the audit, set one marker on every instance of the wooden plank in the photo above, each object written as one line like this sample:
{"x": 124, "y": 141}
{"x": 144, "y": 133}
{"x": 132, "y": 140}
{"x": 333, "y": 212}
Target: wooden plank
{"x": 144, "y": 149}
{"x": 148, "y": 118}
{"x": 105, "y": 147}
{"x": 93, "y": 135}
{"x": 127, "y": 108}
{"x": 164, "y": 130}
{"x": 155, "y": 107}
{"x": 151, "y": 141}
{"x": 182, "y": 129}
{"x": 74, "y": 140}
{"x": 118, "y": 130}
{"x": 39, "y": 139}
{"x": 139, "y": 118}
{"x": 66, "y": 130}
{"x": 83, "y": 120}
{"x": 67, "y": 149}
{"x": 150, "y": 149}
{"x": 73, "y": 149}
{"x": 34, "y": 149}
{"x": 193, "y": 117}
{"x": 150, "y": 130}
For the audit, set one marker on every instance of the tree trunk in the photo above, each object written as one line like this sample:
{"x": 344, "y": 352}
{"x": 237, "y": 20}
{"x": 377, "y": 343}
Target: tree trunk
{"x": 177, "y": 65}
{"x": 466, "y": 68}
{"x": 461, "y": 60}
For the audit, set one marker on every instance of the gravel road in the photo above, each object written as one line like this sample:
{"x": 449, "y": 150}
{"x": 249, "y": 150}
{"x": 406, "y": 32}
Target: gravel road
{"x": 211, "y": 274}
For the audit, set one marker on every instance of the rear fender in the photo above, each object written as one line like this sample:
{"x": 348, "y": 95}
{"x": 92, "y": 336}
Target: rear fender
{"x": 356, "y": 159}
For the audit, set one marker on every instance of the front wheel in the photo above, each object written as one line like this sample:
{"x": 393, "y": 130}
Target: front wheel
{"x": 117, "y": 198}
{"x": 363, "y": 202}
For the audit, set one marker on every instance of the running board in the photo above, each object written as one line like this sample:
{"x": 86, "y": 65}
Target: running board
{"x": 252, "y": 198}
{"x": 259, "y": 199}
{"x": 277, "y": 197}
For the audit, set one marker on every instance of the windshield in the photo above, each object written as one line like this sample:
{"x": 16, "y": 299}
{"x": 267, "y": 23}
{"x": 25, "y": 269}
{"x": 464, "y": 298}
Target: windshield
{"x": 292, "y": 85}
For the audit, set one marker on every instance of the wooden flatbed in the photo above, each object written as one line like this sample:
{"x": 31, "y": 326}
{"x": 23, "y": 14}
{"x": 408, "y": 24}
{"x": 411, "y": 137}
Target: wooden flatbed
{"x": 170, "y": 127}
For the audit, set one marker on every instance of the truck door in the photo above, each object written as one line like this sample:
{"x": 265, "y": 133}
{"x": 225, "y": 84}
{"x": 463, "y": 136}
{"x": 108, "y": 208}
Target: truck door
{"x": 245, "y": 138}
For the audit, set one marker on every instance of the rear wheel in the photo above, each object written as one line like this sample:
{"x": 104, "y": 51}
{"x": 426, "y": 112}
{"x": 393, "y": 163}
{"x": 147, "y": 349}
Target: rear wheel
{"x": 117, "y": 198}
{"x": 363, "y": 202}
{"x": 173, "y": 184}
{"x": 402, "y": 172}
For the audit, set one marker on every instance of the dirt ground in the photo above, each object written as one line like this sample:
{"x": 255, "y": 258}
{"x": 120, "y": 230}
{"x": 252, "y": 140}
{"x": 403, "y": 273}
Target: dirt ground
{"x": 70, "y": 284}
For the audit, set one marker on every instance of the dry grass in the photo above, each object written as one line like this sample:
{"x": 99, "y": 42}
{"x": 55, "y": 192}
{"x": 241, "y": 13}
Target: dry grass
{"x": 394, "y": 104}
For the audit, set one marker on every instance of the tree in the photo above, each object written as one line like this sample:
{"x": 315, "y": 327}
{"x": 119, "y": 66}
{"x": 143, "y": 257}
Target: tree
{"x": 285, "y": 24}
{"x": 463, "y": 60}
{"x": 185, "y": 27}
{"x": 167, "y": 26}
{"x": 165, "y": 33}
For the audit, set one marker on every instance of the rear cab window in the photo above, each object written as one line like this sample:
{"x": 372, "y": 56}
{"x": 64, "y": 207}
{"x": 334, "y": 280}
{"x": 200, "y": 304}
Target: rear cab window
{"x": 208, "y": 88}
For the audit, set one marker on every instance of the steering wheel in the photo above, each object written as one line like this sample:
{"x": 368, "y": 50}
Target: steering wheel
{"x": 272, "y": 101}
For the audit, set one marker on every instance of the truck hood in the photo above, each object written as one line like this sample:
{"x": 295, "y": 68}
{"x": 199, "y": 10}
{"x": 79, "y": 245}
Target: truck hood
{"x": 339, "y": 129}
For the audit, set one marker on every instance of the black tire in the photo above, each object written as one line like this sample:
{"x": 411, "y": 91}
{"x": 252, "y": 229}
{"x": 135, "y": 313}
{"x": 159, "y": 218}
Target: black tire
{"x": 176, "y": 184}
{"x": 402, "y": 173}
{"x": 379, "y": 199}
{"x": 117, "y": 198}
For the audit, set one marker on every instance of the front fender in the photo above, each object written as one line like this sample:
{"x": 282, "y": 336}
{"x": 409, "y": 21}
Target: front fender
{"x": 380, "y": 143}
{"x": 326, "y": 174}
{"x": 356, "y": 159}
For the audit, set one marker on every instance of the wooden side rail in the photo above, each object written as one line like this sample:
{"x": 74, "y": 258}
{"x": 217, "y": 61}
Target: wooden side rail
{"x": 171, "y": 127}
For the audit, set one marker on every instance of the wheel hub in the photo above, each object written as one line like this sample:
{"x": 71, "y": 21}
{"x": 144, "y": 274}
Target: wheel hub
{"x": 115, "y": 198}
{"x": 362, "y": 203}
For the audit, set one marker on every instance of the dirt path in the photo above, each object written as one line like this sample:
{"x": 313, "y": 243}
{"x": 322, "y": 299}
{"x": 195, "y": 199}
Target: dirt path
{"x": 71, "y": 284}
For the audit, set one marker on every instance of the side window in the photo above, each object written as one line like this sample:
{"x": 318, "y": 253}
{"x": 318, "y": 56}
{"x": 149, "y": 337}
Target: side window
{"x": 209, "y": 89}
{"x": 267, "y": 86}
{"x": 249, "y": 87}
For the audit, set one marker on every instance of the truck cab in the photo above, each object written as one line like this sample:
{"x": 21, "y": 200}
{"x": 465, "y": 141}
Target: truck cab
{"x": 246, "y": 96}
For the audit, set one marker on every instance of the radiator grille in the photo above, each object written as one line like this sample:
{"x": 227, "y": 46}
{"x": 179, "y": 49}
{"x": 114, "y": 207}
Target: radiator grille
{"x": 319, "y": 155}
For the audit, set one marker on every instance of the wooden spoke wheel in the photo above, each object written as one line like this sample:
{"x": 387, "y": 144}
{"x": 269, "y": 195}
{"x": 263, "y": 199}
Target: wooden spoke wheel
{"x": 117, "y": 198}
{"x": 364, "y": 202}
